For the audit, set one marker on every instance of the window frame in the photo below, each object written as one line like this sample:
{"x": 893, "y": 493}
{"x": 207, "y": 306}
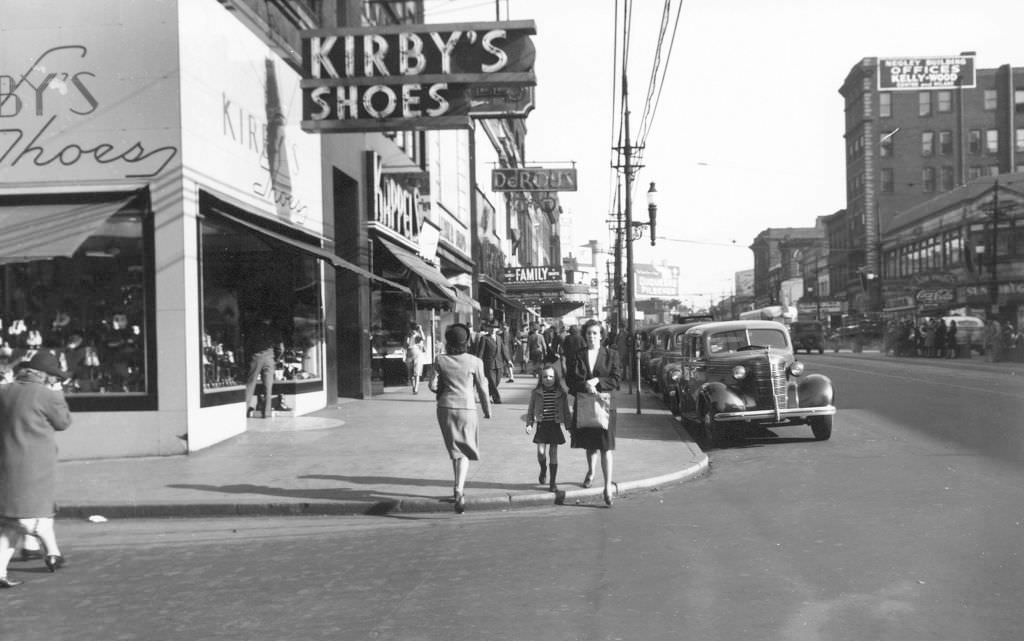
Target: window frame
{"x": 924, "y": 104}
{"x": 120, "y": 401}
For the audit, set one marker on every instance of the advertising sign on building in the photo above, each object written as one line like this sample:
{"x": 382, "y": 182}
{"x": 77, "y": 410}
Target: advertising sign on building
{"x": 393, "y": 205}
{"x": 934, "y": 72}
{"x": 533, "y": 179}
{"x": 412, "y": 76}
{"x": 660, "y": 281}
{"x": 532, "y": 274}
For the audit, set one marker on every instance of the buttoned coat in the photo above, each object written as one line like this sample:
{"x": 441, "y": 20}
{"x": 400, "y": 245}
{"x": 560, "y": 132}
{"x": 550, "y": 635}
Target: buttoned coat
{"x": 30, "y": 416}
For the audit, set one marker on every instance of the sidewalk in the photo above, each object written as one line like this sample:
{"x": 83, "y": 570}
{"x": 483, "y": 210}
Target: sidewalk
{"x": 373, "y": 457}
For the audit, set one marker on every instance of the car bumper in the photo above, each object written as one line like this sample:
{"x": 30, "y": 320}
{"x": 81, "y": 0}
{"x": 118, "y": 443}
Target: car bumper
{"x": 775, "y": 416}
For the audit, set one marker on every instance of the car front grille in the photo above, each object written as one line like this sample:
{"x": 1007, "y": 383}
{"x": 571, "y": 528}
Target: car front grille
{"x": 769, "y": 375}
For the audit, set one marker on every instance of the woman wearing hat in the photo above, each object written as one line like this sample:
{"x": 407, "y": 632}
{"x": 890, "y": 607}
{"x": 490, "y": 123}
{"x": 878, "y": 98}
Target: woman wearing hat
{"x": 32, "y": 410}
{"x": 459, "y": 377}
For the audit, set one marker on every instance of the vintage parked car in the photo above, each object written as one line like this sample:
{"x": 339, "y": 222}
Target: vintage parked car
{"x": 651, "y": 357}
{"x": 807, "y": 335}
{"x": 671, "y": 355}
{"x": 735, "y": 374}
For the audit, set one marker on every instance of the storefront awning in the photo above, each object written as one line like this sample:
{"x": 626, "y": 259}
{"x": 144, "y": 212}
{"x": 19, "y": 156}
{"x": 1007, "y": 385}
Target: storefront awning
{"x": 39, "y": 231}
{"x": 464, "y": 303}
{"x": 335, "y": 260}
{"x": 427, "y": 281}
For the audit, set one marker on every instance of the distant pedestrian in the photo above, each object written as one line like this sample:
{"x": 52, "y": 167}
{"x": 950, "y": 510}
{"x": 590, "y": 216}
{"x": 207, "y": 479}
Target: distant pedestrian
{"x": 951, "y": 346}
{"x": 491, "y": 351}
{"x": 536, "y": 347}
{"x": 414, "y": 357}
{"x": 549, "y": 412}
{"x": 573, "y": 343}
{"x": 32, "y": 410}
{"x": 595, "y": 369}
{"x": 508, "y": 340}
{"x": 458, "y": 380}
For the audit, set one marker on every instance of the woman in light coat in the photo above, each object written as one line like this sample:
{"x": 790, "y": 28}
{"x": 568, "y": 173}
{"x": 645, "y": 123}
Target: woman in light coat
{"x": 458, "y": 380}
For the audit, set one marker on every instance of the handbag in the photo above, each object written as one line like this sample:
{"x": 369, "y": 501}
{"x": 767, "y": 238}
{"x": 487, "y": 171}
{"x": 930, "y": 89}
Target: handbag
{"x": 593, "y": 410}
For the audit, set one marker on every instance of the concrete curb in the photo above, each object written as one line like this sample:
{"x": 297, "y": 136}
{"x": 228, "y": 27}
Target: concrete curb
{"x": 369, "y": 508}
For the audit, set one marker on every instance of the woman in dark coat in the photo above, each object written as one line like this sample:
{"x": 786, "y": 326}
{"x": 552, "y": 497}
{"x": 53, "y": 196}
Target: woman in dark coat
{"x": 459, "y": 381}
{"x": 595, "y": 369}
{"x": 32, "y": 410}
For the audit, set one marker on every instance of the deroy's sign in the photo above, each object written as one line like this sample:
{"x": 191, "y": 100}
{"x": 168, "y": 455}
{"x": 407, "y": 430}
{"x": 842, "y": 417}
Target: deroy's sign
{"x": 408, "y": 76}
{"x": 513, "y": 179}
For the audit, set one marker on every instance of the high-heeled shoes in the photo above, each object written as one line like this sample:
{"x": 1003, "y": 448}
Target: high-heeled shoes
{"x": 460, "y": 502}
{"x": 54, "y": 561}
{"x": 607, "y": 498}
{"x": 588, "y": 479}
{"x": 9, "y": 583}
{"x": 249, "y": 411}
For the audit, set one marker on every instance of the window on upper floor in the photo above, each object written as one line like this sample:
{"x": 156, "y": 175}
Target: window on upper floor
{"x": 944, "y": 101}
{"x": 974, "y": 141}
{"x": 928, "y": 179}
{"x": 947, "y": 178}
{"x": 945, "y": 143}
{"x": 924, "y": 103}
{"x": 927, "y": 143}
{"x": 990, "y": 99}
{"x": 887, "y": 180}
{"x": 885, "y": 143}
{"x": 1018, "y": 143}
{"x": 885, "y": 105}
{"x": 1018, "y": 101}
{"x": 991, "y": 141}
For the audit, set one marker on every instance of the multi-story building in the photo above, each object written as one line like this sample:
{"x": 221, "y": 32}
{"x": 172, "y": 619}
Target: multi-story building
{"x": 777, "y": 254}
{"x": 916, "y": 128}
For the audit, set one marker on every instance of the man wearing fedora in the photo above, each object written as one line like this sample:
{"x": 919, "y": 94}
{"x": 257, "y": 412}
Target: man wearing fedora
{"x": 492, "y": 352}
{"x": 32, "y": 410}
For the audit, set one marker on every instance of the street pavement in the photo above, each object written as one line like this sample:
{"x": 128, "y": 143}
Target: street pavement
{"x": 377, "y": 456}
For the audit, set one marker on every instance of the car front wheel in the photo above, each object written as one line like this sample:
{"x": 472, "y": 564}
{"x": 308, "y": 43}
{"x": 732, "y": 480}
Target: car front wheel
{"x": 710, "y": 431}
{"x": 821, "y": 426}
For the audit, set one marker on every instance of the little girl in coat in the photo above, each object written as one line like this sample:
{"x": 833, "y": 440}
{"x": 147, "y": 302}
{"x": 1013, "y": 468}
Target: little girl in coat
{"x": 549, "y": 411}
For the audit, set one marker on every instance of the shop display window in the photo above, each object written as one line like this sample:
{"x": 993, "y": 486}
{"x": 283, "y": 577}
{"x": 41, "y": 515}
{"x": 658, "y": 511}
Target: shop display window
{"x": 247, "y": 275}
{"x": 85, "y": 290}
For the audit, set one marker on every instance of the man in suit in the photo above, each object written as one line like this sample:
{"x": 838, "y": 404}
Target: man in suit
{"x": 492, "y": 352}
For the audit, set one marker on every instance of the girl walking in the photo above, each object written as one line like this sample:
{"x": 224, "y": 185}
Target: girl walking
{"x": 549, "y": 411}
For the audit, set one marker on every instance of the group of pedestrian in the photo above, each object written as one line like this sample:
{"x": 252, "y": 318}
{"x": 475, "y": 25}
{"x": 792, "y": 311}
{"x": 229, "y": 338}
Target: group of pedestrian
{"x": 462, "y": 380}
{"x": 931, "y": 338}
{"x": 1003, "y": 342}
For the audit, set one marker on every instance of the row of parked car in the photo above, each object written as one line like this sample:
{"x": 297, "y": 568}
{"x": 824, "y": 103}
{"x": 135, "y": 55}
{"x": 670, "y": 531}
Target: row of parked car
{"x": 727, "y": 376}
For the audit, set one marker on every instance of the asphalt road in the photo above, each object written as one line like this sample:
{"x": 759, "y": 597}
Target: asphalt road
{"x": 906, "y": 525}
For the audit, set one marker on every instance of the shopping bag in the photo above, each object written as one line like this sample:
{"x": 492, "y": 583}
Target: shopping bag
{"x": 593, "y": 410}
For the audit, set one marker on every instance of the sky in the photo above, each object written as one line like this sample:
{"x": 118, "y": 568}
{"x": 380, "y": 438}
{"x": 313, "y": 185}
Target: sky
{"x": 748, "y": 133}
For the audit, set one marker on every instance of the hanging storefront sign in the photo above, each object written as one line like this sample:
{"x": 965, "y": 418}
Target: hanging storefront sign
{"x": 934, "y": 296}
{"x": 408, "y": 76}
{"x": 934, "y": 72}
{"x": 513, "y": 101}
{"x": 532, "y": 274}
{"x": 392, "y": 204}
{"x": 533, "y": 179}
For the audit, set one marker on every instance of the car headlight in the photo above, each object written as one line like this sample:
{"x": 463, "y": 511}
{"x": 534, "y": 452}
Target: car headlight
{"x": 797, "y": 368}
{"x": 739, "y": 372}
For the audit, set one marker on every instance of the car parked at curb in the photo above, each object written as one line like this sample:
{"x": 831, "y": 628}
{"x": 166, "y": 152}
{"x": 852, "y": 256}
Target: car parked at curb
{"x": 738, "y": 374}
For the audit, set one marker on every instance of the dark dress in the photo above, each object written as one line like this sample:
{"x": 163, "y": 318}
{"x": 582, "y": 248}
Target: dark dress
{"x": 608, "y": 372}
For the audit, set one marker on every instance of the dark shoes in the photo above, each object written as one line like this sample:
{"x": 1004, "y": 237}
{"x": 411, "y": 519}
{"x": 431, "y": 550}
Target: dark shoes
{"x": 588, "y": 479}
{"x": 54, "y": 561}
{"x": 607, "y": 498}
{"x": 250, "y": 412}
{"x": 460, "y": 502}
{"x": 9, "y": 583}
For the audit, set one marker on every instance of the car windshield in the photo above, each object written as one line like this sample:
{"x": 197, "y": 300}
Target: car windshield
{"x": 738, "y": 339}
